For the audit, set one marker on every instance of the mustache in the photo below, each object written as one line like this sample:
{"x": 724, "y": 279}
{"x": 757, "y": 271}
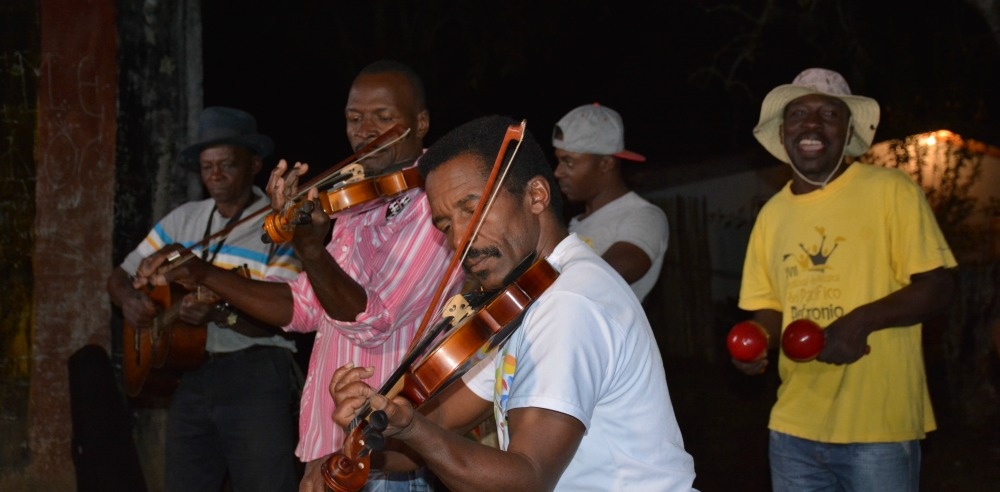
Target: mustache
{"x": 487, "y": 252}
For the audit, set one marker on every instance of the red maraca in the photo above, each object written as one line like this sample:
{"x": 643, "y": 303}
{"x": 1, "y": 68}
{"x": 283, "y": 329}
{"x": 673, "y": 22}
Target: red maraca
{"x": 802, "y": 340}
{"x": 747, "y": 340}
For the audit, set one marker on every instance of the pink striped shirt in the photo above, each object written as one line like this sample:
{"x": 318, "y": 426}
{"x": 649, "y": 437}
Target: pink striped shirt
{"x": 399, "y": 259}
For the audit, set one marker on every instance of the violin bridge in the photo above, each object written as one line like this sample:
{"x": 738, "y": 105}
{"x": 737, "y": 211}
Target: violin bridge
{"x": 458, "y": 308}
{"x": 349, "y": 174}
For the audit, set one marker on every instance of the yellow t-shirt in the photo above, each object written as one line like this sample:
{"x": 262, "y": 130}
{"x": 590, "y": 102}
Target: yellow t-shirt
{"x": 819, "y": 256}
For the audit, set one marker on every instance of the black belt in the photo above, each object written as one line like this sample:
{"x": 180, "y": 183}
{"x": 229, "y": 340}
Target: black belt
{"x": 252, "y": 348}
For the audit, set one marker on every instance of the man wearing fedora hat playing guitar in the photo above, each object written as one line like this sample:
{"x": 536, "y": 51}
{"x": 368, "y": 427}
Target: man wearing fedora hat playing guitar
{"x": 234, "y": 413}
{"x": 855, "y": 248}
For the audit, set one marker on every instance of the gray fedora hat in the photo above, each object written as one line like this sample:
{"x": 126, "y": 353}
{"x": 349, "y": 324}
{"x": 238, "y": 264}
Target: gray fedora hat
{"x": 220, "y": 125}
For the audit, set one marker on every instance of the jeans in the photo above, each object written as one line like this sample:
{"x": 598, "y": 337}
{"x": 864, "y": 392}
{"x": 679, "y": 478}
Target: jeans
{"x": 799, "y": 465}
{"x": 235, "y": 414}
{"x": 397, "y": 482}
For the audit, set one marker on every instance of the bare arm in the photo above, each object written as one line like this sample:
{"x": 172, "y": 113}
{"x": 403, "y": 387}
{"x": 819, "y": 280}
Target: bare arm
{"x": 929, "y": 293}
{"x": 340, "y": 295}
{"x": 629, "y": 260}
{"x": 268, "y": 302}
{"x": 542, "y": 442}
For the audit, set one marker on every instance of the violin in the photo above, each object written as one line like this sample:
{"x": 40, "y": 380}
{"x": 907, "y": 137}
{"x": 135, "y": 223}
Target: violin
{"x": 350, "y": 193}
{"x": 365, "y": 191}
{"x": 477, "y": 334}
{"x": 345, "y": 171}
{"x": 473, "y": 336}
{"x": 345, "y": 187}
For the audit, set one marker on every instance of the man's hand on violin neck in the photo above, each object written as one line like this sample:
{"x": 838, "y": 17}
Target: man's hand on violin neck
{"x": 282, "y": 186}
{"x": 349, "y": 392}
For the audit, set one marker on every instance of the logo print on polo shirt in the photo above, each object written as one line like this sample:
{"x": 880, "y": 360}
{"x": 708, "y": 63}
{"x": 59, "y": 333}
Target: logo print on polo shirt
{"x": 396, "y": 206}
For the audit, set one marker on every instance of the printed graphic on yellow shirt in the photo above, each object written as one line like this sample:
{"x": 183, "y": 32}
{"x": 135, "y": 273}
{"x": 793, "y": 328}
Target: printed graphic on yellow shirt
{"x": 812, "y": 292}
{"x": 814, "y": 257}
{"x": 504, "y": 378}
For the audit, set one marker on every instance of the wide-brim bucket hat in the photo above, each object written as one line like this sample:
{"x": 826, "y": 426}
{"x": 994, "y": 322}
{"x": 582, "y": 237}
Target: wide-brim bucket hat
{"x": 865, "y": 111}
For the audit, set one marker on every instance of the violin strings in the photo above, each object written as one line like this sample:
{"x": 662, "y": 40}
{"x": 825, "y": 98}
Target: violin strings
{"x": 324, "y": 179}
{"x": 335, "y": 172}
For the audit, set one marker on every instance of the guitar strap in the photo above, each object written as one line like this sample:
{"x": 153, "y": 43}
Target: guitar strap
{"x": 208, "y": 230}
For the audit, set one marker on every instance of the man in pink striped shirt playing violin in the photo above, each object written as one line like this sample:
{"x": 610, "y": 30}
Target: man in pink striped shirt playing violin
{"x": 364, "y": 292}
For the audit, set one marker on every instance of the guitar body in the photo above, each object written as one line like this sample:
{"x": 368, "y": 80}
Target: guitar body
{"x": 154, "y": 358}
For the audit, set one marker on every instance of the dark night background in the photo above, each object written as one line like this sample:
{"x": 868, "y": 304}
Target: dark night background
{"x": 686, "y": 75}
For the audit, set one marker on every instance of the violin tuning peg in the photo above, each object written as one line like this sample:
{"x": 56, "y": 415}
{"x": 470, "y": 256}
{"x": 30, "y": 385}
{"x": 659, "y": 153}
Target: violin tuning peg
{"x": 374, "y": 441}
{"x": 373, "y": 438}
{"x": 378, "y": 420}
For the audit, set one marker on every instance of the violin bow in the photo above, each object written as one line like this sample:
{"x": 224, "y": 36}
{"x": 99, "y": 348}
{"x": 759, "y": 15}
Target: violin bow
{"x": 492, "y": 188}
{"x": 380, "y": 143}
{"x": 343, "y": 472}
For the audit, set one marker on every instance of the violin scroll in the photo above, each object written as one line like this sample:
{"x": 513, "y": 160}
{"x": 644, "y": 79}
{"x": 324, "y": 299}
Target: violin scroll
{"x": 349, "y": 193}
{"x": 347, "y": 470}
{"x": 279, "y": 225}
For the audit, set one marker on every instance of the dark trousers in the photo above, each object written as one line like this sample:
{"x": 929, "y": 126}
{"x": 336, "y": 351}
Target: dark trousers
{"x": 234, "y": 414}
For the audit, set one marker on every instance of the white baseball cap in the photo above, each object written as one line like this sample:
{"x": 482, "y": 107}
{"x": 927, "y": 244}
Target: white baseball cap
{"x": 593, "y": 129}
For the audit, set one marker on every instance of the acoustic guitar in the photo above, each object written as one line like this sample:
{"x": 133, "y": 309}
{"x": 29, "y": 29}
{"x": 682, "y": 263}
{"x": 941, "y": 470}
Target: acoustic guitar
{"x": 153, "y": 358}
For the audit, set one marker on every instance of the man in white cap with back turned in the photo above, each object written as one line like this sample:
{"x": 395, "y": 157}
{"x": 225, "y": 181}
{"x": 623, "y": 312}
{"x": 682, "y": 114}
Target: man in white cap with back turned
{"x": 629, "y": 232}
{"x": 856, "y": 249}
